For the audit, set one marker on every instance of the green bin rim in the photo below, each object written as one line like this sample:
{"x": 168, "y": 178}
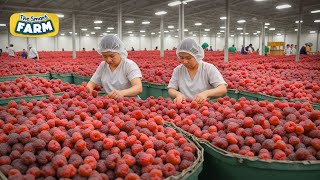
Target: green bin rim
{"x": 197, "y": 165}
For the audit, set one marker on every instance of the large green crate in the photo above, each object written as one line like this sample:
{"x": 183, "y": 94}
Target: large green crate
{"x": 79, "y": 79}
{"x": 191, "y": 173}
{"x": 145, "y": 90}
{"x": 12, "y": 78}
{"x": 157, "y": 90}
{"x": 249, "y": 95}
{"x": 270, "y": 98}
{"x": 315, "y": 106}
{"x": 64, "y": 77}
{"x": 221, "y": 165}
{"x": 233, "y": 93}
{"x": 5, "y": 101}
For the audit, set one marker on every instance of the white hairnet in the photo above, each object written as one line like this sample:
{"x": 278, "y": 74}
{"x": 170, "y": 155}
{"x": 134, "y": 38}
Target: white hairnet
{"x": 190, "y": 46}
{"x": 112, "y": 43}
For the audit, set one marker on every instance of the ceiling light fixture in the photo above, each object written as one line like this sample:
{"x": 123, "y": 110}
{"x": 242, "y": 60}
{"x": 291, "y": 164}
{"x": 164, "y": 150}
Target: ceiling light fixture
{"x": 110, "y": 28}
{"x": 272, "y": 29}
{"x": 170, "y": 27}
{"x": 283, "y": 6}
{"x": 60, "y": 15}
{"x": 315, "y": 11}
{"x": 241, "y": 21}
{"x": 97, "y": 22}
{"x": 207, "y": 30}
{"x": 97, "y": 27}
{"x": 145, "y": 22}
{"x": 159, "y": 13}
{"x": 198, "y": 24}
{"x": 316, "y": 21}
{"x": 129, "y": 22}
{"x": 223, "y": 17}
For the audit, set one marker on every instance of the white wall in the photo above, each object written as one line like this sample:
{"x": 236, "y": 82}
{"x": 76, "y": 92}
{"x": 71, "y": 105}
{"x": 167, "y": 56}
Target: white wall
{"x": 139, "y": 43}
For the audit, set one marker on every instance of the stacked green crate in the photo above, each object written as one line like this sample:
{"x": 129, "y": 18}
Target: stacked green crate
{"x": 79, "y": 79}
{"x": 5, "y": 101}
{"x": 220, "y": 165}
{"x": 64, "y": 77}
{"x": 12, "y": 78}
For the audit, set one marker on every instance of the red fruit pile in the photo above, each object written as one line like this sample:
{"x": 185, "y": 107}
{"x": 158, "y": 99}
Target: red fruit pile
{"x": 278, "y": 76}
{"x": 279, "y": 130}
{"x": 79, "y": 136}
{"x": 35, "y": 86}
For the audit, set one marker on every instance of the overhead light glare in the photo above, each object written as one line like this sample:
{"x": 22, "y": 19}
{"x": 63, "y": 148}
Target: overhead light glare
{"x": 283, "y": 6}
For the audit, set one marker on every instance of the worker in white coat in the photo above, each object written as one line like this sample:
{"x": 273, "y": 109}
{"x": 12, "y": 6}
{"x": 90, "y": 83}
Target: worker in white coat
{"x": 11, "y": 51}
{"x": 194, "y": 78}
{"x": 33, "y": 53}
{"x": 119, "y": 76}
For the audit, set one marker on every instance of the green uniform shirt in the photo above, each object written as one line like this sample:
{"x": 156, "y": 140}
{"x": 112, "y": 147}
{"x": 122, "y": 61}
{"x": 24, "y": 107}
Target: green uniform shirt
{"x": 266, "y": 49}
{"x": 232, "y": 49}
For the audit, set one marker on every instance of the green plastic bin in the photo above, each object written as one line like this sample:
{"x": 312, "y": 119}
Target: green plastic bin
{"x": 145, "y": 90}
{"x": 5, "y": 101}
{"x": 270, "y": 98}
{"x": 249, "y": 95}
{"x": 233, "y": 93}
{"x": 220, "y": 165}
{"x": 157, "y": 90}
{"x": 191, "y": 173}
{"x": 315, "y": 106}
{"x": 12, "y": 78}
{"x": 79, "y": 79}
{"x": 64, "y": 77}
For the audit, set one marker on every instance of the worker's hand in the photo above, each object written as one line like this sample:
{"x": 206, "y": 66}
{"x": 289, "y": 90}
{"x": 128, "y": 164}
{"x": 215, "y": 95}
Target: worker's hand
{"x": 180, "y": 97}
{"x": 199, "y": 98}
{"x": 115, "y": 94}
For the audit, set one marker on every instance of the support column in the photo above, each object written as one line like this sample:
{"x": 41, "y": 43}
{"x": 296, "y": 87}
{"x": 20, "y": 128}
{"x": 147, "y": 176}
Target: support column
{"x": 200, "y": 36}
{"x": 151, "y": 42}
{"x": 284, "y": 37}
{"x": 79, "y": 39}
{"x": 299, "y": 31}
{"x": 140, "y": 42}
{"x": 8, "y": 36}
{"x": 54, "y": 43}
{"x": 73, "y": 35}
{"x": 262, "y": 40}
{"x": 244, "y": 36}
{"x": 215, "y": 42}
{"x": 119, "y": 20}
{"x": 317, "y": 45}
{"x": 226, "y": 42}
{"x": 161, "y": 38}
{"x": 181, "y": 22}
{"x": 27, "y": 44}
